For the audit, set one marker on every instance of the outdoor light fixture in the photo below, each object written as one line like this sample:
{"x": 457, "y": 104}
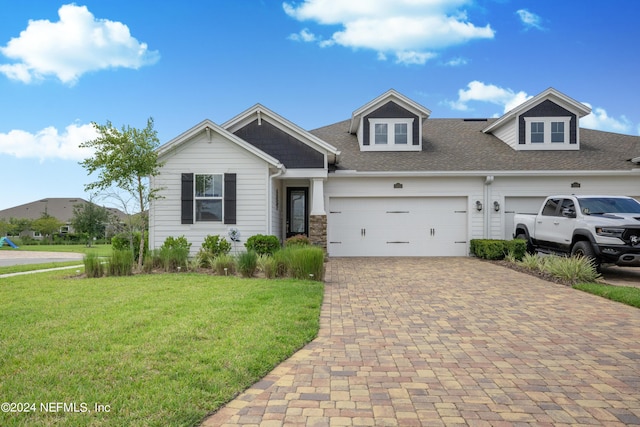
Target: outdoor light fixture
{"x": 478, "y": 205}
{"x": 496, "y": 206}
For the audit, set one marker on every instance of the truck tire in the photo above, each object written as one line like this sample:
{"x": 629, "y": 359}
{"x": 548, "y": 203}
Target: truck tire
{"x": 584, "y": 249}
{"x": 523, "y": 236}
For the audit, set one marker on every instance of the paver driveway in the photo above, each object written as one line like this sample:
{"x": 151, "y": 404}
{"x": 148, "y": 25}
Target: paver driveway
{"x": 452, "y": 341}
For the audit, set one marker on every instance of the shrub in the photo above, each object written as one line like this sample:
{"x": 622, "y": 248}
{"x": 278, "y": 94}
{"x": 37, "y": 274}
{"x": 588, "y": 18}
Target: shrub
{"x": 297, "y": 240}
{"x": 93, "y": 266}
{"x": 263, "y": 244}
{"x": 247, "y": 263}
{"x": 224, "y": 265}
{"x": 281, "y": 260}
{"x": 122, "y": 241}
{"x": 572, "y": 269}
{"x": 494, "y": 249}
{"x": 203, "y": 259}
{"x": 307, "y": 262}
{"x": 216, "y": 245}
{"x": 174, "y": 253}
{"x": 267, "y": 264}
{"x": 121, "y": 263}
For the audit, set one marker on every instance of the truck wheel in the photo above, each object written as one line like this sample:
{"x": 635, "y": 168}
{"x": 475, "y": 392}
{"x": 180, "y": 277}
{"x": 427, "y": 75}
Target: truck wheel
{"x": 523, "y": 236}
{"x": 585, "y": 249}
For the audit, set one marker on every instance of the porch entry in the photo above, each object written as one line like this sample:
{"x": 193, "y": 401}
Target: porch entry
{"x": 297, "y": 211}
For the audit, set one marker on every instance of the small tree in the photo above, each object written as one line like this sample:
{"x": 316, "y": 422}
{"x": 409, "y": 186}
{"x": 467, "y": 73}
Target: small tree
{"x": 125, "y": 158}
{"x": 90, "y": 219}
{"x": 47, "y": 225}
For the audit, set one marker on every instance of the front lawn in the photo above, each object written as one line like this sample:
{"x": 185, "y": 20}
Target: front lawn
{"x": 150, "y": 350}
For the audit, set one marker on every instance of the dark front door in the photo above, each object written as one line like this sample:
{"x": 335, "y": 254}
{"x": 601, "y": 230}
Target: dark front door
{"x": 297, "y": 211}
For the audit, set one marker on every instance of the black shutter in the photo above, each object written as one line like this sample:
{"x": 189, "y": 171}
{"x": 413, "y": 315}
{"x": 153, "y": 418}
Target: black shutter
{"x": 229, "y": 198}
{"x": 187, "y": 198}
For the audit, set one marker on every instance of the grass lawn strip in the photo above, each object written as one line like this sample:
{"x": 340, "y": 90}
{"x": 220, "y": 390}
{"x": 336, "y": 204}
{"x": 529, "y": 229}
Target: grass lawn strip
{"x": 161, "y": 350}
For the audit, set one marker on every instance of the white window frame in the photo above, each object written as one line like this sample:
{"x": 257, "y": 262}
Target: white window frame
{"x": 391, "y": 145}
{"x": 547, "y": 144}
{"x": 197, "y": 198}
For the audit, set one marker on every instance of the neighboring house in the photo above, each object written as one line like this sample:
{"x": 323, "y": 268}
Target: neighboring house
{"x": 390, "y": 181}
{"x": 60, "y": 208}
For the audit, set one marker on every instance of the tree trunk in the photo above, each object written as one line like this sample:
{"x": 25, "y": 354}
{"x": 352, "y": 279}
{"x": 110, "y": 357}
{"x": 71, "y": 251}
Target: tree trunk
{"x": 144, "y": 223}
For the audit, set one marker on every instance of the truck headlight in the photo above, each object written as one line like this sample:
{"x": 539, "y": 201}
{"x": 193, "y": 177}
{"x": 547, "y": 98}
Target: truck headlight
{"x": 610, "y": 232}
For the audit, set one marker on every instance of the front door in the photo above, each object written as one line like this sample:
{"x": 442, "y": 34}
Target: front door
{"x": 297, "y": 211}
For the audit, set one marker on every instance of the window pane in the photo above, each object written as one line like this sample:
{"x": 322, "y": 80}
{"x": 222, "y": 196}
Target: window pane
{"x": 208, "y": 185}
{"x": 381, "y": 133}
{"x": 537, "y": 132}
{"x": 557, "y": 131}
{"x": 208, "y": 210}
{"x": 401, "y": 133}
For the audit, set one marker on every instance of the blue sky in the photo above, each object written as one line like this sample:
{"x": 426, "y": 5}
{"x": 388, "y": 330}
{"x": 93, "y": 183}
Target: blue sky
{"x": 64, "y": 65}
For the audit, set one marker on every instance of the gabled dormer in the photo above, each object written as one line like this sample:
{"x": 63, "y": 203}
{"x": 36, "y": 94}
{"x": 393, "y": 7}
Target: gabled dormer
{"x": 391, "y": 122}
{"x": 548, "y": 121}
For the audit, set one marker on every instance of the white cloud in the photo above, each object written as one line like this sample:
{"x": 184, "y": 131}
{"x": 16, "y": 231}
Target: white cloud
{"x": 456, "y": 62}
{"x": 480, "y": 92}
{"x": 530, "y": 20}
{"x": 78, "y": 43}
{"x": 600, "y": 120}
{"x": 410, "y": 30}
{"x": 48, "y": 143}
{"x": 303, "y": 36}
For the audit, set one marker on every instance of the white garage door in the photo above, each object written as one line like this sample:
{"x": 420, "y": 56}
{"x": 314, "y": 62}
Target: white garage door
{"x": 384, "y": 226}
{"x": 514, "y": 205}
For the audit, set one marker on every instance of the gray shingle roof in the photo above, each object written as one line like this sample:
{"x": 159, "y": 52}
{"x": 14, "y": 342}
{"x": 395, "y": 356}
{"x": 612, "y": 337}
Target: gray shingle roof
{"x": 460, "y": 145}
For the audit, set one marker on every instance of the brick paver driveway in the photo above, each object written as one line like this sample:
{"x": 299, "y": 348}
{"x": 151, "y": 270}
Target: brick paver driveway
{"x": 452, "y": 341}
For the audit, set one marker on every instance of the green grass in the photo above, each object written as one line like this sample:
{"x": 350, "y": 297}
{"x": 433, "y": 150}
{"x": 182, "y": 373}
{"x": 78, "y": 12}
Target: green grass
{"x": 624, "y": 294}
{"x": 160, "y": 350}
{"x": 34, "y": 267}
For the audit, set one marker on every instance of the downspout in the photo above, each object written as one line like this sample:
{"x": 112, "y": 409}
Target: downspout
{"x": 281, "y": 170}
{"x": 487, "y": 197}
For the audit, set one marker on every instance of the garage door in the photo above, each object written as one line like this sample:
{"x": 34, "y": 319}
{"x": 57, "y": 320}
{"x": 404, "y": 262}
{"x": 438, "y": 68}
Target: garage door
{"x": 513, "y": 205}
{"x": 383, "y": 226}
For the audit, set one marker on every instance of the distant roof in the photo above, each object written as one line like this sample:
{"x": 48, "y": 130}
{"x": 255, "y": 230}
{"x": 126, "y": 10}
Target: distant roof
{"x": 60, "y": 208}
{"x": 461, "y": 145}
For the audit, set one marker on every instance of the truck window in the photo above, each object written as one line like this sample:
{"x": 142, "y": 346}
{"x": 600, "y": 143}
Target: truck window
{"x": 551, "y": 207}
{"x": 568, "y": 208}
{"x": 602, "y": 205}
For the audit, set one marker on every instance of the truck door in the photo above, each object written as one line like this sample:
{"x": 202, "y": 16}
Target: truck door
{"x": 565, "y": 224}
{"x": 547, "y": 222}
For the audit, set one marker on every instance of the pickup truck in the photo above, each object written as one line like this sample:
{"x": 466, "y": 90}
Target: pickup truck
{"x": 603, "y": 228}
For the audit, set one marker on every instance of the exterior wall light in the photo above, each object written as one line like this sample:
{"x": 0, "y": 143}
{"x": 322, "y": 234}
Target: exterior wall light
{"x": 478, "y": 205}
{"x": 496, "y": 206}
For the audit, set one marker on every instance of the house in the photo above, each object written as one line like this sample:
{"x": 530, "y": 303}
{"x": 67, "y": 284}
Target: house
{"x": 389, "y": 181}
{"x": 60, "y": 208}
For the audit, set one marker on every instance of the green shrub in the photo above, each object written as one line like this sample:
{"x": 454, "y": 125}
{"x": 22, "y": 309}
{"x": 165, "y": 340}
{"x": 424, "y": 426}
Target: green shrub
{"x": 267, "y": 264}
{"x": 262, "y": 244}
{"x": 121, "y": 263}
{"x": 224, "y": 265}
{"x": 122, "y": 241}
{"x": 203, "y": 259}
{"x": 247, "y": 263}
{"x": 216, "y": 245}
{"x": 307, "y": 262}
{"x": 281, "y": 260}
{"x": 93, "y": 266}
{"x": 494, "y": 249}
{"x": 174, "y": 253}
{"x": 572, "y": 269}
{"x": 297, "y": 240}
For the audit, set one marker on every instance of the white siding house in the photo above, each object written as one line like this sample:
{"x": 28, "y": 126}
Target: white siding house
{"x": 389, "y": 181}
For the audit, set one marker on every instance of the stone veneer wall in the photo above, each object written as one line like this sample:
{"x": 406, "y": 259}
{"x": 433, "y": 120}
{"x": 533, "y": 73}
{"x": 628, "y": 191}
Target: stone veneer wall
{"x": 318, "y": 231}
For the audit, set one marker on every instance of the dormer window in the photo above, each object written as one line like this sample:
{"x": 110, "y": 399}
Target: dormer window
{"x": 390, "y": 134}
{"x": 544, "y": 132}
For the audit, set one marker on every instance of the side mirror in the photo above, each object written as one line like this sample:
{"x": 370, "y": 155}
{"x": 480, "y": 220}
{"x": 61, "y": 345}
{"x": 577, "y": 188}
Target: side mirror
{"x": 568, "y": 213}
